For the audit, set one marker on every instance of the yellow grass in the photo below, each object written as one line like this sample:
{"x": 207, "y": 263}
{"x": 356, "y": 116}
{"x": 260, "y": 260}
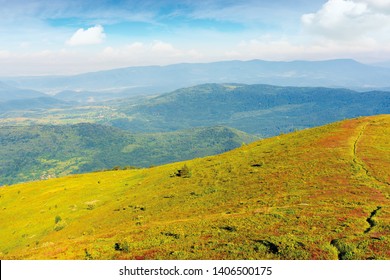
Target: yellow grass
{"x": 321, "y": 193}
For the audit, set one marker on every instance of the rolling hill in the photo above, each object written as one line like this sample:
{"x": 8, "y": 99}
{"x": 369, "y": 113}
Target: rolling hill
{"x": 44, "y": 151}
{"x": 91, "y": 97}
{"x": 15, "y": 102}
{"x": 23, "y": 107}
{"x": 8, "y": 93}
{"x": 257, "y": 109}
{"x": 263, "y": 110}
{"x": 320, "y": 193}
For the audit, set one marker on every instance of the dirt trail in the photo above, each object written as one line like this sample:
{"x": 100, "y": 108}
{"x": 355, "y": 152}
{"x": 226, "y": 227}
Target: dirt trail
{"x": 364, "y": 172}
{"x": 371, "y": 221}
{"x": 360, "y": 163}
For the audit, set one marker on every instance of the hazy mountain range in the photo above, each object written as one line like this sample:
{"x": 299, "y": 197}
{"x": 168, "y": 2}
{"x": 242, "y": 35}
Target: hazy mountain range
{"x": 8, "y": 93}
{"x": 157, "y": 79}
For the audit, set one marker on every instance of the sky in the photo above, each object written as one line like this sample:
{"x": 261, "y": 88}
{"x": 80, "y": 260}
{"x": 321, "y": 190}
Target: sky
{"x": 56, "y": 37}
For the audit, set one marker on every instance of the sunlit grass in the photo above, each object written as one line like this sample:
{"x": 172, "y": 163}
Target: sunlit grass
{"x": 303, "y": 195}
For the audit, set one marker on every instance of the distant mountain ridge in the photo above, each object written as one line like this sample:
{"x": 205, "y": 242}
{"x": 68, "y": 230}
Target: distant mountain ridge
{"x": 34, "y": 104}
{"x": 8, "y": 93}
{"x": 157, "y": 79}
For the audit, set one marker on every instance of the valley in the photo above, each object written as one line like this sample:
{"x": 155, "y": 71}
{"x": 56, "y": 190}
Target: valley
{"x": 38, "y": 152}
{"x": 262, "y": 110}
{"x": 46, "y": 137}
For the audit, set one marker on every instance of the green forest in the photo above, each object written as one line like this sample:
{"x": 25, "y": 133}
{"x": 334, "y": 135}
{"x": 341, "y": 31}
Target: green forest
{"x": 47, "y": 151}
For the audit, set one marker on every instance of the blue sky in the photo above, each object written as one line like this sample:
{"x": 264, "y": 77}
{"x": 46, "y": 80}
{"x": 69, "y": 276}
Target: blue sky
{"x": 39, "y": 37}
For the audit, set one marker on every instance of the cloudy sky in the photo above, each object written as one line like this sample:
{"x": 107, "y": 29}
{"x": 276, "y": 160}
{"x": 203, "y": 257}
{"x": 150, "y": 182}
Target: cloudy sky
{"x": 40, "y": 37}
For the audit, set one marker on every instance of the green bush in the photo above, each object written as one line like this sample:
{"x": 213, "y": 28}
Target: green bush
{"x": 184, "y": 172}
{"x": 122, "y": 246}
{"x": 57, "y": 219}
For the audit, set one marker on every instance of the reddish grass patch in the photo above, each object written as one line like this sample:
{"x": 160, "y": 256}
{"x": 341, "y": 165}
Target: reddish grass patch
{"x": 317, "y": 254}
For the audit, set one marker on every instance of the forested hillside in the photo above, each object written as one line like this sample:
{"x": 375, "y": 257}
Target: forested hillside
{"x": 258, "y": 109}
{"x": 45, "y": 151}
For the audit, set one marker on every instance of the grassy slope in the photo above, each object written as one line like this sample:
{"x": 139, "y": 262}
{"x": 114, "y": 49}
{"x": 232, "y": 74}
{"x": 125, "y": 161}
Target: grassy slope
{"x": 321, "y": 193}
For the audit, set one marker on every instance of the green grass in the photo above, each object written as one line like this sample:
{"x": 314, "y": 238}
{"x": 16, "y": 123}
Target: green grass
{"x": 303, "y": 195}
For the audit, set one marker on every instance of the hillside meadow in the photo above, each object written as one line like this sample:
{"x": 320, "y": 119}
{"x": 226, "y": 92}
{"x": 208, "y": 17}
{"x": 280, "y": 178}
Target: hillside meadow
{"x": 320, "y": 193}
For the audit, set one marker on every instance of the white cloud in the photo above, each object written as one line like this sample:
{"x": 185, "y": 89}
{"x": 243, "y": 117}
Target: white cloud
{"x": 159, "y": 46}
{"x": 270, "y": 49}
{"x": 74, "y": 60}
{"x": 91, "y": 36}
{"x": 348, "y": 20}
{"x": 155, "y": 52}
{"x": 4, "y": 54}
{"x": 285, "y": 49}
{"x": 380, "y": 5}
